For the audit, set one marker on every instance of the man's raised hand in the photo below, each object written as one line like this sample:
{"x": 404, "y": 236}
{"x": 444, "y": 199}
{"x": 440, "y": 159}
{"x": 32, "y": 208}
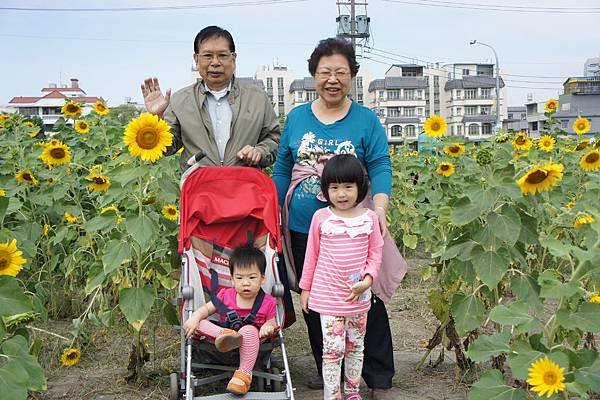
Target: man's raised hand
{"x": 156, "y": 103}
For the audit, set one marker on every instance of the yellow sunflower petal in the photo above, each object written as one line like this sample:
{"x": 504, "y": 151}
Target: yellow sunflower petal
{"x": 71, "y": 110}
{"x": 435, "y": 126}
{"x": 582, "y": 125}
{"x": 148, "y": 137}
{"x": 546, "y": 377}
{"x": 56, "y": 154}
{"x": 11, "y": 260}
{"x": 70, "y": 357}
{"x": 170, "y": 212}
{"x": 551, "y": 105}
{"x": 100, "y": 108}
{"x": 446, "y": 169}
{"x": 541, "y": 178}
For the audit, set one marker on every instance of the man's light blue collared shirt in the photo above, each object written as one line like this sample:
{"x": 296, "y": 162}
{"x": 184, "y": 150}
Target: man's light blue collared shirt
{"x": 220, "y": 113}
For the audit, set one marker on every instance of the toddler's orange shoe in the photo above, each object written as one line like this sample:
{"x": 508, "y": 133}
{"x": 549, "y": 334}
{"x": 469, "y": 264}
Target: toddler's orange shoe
{"x": 228, "y": 340}
{"x": 234, "y": 386}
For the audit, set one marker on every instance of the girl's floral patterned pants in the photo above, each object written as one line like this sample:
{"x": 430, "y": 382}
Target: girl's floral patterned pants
{"x": 343, "y": 339}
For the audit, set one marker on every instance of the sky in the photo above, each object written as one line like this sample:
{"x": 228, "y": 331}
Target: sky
{"x": 112, "y": 51}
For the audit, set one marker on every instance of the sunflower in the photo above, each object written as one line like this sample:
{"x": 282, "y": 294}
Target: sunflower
{"x": 582, "y": 125}
{"x": 26, "y": 176}
{"x": 3, "y": 117}
{"x": 11, "y": 261}
{"x": 595, "y": 299}
{"x": 82, "y": 127}
{"x": 70, "y": 357}
{"x": 590, "y": 161}
{"x": 597, "y": 144}
{"x": 522, "y": 142}
{"x": 100, "y": 108}
{"x": 582, "y": 220}
{"x": 50, "y": 180}
{"x": 541, "y": 178}
{"x": 170, "y": 212}
{"x": 71, "y": 110}
{"x": 56, "y": 154}
{"x": 551, "y": 105}
{"x": 28, "y": 123}
{"x": 445, "y": 169}
{"x": 435, "y": 126}
{"x": 570, "y": 205}
{"x": 2, "y": 192}
{"x": 546, "y": 377}
{"x": 70, "y": 217}
{"x": 148, "y": 137}
{"x": 114, "y": 209}
{"x": 546, "y": 143}
{"x": 455, "y": 150}
{"x": 46, "y": 229}
{"x": 582, "y": 145}
{"x": 32, "y": 134}
{"x": 518, "y": 156}
{"x": 100, "y": 183}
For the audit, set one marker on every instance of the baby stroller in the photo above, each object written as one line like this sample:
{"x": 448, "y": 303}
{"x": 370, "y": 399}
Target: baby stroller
{"x": 221, "y": 207}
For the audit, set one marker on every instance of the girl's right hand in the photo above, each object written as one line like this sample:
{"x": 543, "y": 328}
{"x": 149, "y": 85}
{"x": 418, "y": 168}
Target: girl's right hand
{"x": 304, "y": 296}
{"x": 189, "y": 326}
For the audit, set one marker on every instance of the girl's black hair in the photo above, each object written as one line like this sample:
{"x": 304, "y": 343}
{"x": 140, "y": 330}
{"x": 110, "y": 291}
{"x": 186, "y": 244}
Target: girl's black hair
{"x": 245, "y": 256}
{"x": 345, "y": 168}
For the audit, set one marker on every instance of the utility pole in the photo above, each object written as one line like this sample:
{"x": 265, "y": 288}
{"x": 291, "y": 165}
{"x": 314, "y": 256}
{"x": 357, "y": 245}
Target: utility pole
{"x": 353, "y": 32}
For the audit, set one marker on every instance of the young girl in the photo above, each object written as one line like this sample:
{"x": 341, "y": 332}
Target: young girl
{"x": 343, "y": 255}
{"x": 247, "y": 266}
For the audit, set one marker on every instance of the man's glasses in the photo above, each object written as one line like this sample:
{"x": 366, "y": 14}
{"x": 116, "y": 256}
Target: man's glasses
{"x": 326, "y": 74}
{"x": 208, "y": 57}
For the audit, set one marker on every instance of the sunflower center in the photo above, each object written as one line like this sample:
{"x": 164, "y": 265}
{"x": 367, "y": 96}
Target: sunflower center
{"x": 72, "y": 108}
{"x": 82, "y": 125}
{"x": 435, "y": 126}
{"x": 592, "y": 158}
{"x": 537, "y": 176}
{"x": 57, "y": 153}
{"x": 581, "y": 146}
{"x": 72, "y": 355}
{"x": 147, "y": 138}
{"x": 445, "y": 167}
{"x": 4, "y": 260}
{"x": 171, "y": 212}
{"x": 454, "y": 149}
{"x": 99, "y": 180}
{"x": 550, "y": 378}
{"x": 520, "y": 140}
{"x": 27, "y": 176}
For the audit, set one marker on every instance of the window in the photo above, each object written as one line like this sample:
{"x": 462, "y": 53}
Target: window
{"x": 280, "y": 83}
{"x": 28, "y": 110}
{"x": 486, "y": 110}
{"x": 473, "y": 129}
{"x": 459, "y": 111}
{"x": 427, "y": 112}
{"x": 486, "y": 129}
{"x": 427, "y": 80}
{"x": 409, "y": 111}
{"x": 359, "y": 82}
{"x": 359, "y": 98}
{"x": 564, "y": 123}
{"x": 396, "y": 130}
{"x": 419, "y": 111}
{"x": 269, "y": 83}
{"x": 486, "y": 93}
{"x": 458, "y": 93}
{"x": 470, "y": 94}
{"x": 380, "y": 95}
{"x": 453, "y": 130}
{"x": 393, "y": 94}
{"x": 419, "y": 95}
{"x": 393, "y": 112}
{"x": 471, "y": 110}
{"x": 465, "y": 72}
{"x": 409, "y": 130}
{"x": 534, "y": 126}
{"x": 510, "y": 116}
{"x": 459, "y": 130}
{"x": 298, "y": 95}
{"x": 51, "y": 110}
{"x": 281, "y": 110}
{"x": 409, "y": 94}
{"x": 280, "y": 99}
{"x": 436, "y": 81}
{"x": 311, "y": 95}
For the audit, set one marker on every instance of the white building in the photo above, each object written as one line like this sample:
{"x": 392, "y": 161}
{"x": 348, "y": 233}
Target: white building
{"x": 471, "y": 104}
{"x": 592, "y": 67}
{"x": 48, "y": 106}
{"x": 535, "y": 118}
{"x": 277, "y": 80}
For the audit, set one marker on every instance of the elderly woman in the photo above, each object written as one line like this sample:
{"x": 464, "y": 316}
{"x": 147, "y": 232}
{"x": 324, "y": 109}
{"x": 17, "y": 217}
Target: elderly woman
{"x": 313, "y": 133}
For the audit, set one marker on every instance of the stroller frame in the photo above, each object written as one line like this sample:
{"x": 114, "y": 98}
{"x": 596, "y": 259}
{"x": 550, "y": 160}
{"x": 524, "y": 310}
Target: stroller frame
{"x": 182, "y": 384}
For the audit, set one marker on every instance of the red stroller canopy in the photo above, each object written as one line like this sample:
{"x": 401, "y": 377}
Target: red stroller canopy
{"x": 221, "y": 204}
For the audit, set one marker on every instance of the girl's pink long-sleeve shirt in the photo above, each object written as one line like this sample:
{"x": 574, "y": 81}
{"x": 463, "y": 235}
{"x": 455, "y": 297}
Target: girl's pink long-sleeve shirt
{"x": 338, "y": 248}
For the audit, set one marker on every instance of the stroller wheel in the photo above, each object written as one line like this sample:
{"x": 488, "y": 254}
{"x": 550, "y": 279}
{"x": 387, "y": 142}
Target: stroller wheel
{"x": 276, "y": 386}
{"x": 174, "y": 386}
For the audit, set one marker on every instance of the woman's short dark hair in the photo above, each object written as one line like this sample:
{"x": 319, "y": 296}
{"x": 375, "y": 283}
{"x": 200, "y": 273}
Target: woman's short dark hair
{"x": 329, "y": 47}
{"x": 210, "y": 32}
{"x": 246, "y": 256}
{"x": 345, "y": 168}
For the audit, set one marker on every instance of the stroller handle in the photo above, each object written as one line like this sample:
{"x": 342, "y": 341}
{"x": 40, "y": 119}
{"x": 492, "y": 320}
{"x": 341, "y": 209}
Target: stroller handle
{"x": 196, "y": 157}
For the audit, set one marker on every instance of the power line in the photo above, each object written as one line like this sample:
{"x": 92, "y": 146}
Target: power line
{"x": 485, "y": 7}
{"x": 158, "y": 8}
{"x": 509, "y": 6}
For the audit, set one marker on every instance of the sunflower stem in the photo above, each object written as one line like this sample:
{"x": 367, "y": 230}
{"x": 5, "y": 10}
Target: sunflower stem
{"x": 33, "y": 328}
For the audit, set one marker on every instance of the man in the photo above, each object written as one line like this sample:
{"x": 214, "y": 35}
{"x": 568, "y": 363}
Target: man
{"x": 234, "y": 124}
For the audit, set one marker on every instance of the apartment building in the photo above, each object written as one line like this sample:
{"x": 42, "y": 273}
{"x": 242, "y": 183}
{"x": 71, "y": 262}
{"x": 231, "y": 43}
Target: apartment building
{"x": 581, "y": 98}
{"x": 535, "y": 118}
{"x": 471, "y": 103}
{"x": 516, "y": 119}
{"x": 48, "y": 106}
{"x": 277, "y": 80}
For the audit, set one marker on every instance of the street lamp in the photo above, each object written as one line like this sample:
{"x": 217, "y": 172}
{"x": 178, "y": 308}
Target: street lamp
{"x": 472, "y": 42}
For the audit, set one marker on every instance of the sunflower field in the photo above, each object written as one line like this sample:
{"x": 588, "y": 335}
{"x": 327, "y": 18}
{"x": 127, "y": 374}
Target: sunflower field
{"x": 88, "y": 222}
{"x": 88, "y": 232}
{"x": 513, "y": 229}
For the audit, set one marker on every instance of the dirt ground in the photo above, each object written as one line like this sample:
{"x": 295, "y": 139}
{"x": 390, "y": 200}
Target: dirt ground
{"x": 99, "y": 375}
